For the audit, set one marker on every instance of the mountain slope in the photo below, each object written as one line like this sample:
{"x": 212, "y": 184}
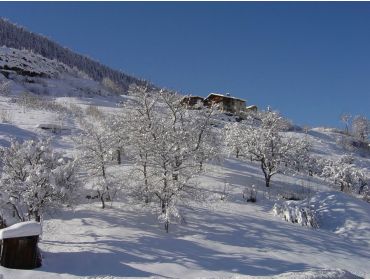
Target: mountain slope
{"x": 17, "y": 37}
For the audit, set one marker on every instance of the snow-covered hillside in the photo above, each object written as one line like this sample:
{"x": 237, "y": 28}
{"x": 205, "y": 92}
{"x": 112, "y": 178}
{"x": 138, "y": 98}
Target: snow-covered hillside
{"x": 25, "y": 71}
{"x": 222, "y": 237}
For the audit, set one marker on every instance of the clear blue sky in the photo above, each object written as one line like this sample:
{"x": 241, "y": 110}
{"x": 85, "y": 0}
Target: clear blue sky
{"x": 311, "y": 61}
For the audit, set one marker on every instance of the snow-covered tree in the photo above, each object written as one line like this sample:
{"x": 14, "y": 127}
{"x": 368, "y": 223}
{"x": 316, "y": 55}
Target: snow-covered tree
{"x": 344, "y": 173}
{"x": 346, "y": 119}
{"x": 234, "y": 137}
{"x": 361, "y": 128}
{"x": 273, "y": 121}
{"x": 35, "y": 178}
{"x": 96, "y": 146}
{"x": 265, "y": 144}
{"x": 274, "y": 152}
{"x": 4, "y": 88}
{"x": 168, "y": 144}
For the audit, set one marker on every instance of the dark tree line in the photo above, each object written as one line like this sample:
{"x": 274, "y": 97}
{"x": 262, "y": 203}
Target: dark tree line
{"x": 17, "y": 37}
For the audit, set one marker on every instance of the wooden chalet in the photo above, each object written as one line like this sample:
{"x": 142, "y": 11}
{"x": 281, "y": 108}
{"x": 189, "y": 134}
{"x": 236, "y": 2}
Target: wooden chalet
{"x": 192, "y": 102}
{"x": 225, "y": 103}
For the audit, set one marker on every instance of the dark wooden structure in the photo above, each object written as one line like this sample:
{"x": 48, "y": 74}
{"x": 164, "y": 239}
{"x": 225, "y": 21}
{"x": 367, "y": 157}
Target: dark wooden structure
{"x": 225, "y": 103}
{"x": 20, "y": 253}
{"x": 19, "y": 248}
{"x": 192, "y": 102}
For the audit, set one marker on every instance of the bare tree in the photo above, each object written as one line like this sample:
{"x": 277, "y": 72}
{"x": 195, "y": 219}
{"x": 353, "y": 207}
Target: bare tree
{"x": 361, "y": 127}
{"x": 346, "y": 119}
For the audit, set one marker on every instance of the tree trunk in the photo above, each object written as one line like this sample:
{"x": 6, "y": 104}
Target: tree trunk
{"x": 267, "y": 179}
{"x": 118, "y": 156}
{"x": 102, "y": 202}
{"x": 267, "y": 174}
{"x": 101, "y": 196}
{"x": 166, "y": 226}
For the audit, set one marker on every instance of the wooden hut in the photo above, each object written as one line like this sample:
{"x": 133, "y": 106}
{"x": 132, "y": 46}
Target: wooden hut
{"x": 19, "y": 246}
{"x": 192, "y": 102}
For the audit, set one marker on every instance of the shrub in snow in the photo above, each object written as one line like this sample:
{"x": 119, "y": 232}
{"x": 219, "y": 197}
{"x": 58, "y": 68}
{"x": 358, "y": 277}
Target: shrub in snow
{"x": 296, "y": 213}
{"x": 34, "y": 178}
{"x": 345, "y": 174}
{"x": 250, "y": 194}
{"x": 5, "y": 116}
{"x": 4, "y": 88}
{"x": 94, "y": 112}
{"x": 38, "y": 102}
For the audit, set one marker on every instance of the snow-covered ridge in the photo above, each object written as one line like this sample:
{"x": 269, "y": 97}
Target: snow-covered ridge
{"x": 27, "y": 63}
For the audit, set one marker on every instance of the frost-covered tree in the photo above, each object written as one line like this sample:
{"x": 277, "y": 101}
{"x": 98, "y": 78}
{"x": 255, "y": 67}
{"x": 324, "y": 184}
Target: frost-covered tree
{"x": 273, "y": 121}
{"x": 234, "y": 137}
{"x": 274, "y": 152}
{"x": 4, "y": 88}
{"x": 346, "y": 119}
{"x": 168, "y": 144}
{"x": 35, "y": 178}
{"x": 344, "y": 173}
{"x": 361, "y": 128}
{"x": 96, "y": 147}
{"x": 265, "y": 144}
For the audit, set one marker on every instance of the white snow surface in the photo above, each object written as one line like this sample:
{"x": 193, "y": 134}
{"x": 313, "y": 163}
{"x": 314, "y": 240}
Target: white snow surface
{"x": 21, "y": 230}
{"x": 217, "y": 239}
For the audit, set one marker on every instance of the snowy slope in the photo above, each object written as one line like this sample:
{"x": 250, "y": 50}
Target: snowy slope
{"x": 227, "y": 238}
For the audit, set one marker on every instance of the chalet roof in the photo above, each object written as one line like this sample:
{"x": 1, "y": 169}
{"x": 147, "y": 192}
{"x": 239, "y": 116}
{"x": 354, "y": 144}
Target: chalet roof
{"x": 225, "y": 96}
{"x": 193, "y": 96}
{"x": 251, "y": 106}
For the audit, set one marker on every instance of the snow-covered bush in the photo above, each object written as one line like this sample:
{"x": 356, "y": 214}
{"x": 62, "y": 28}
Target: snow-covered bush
{"x": 4, "y": 88}
{"x": 296, "y": 213}
{"x": 345, "y": 174}
{"x": 94, "y": 112}
{"x": 5, "y": 116}
{"x": 38, "y": 102}
{"x": 35, "y": 178}
{"x": 250, "y": 194}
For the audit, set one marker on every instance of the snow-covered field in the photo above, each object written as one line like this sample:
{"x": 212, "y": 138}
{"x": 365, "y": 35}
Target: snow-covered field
{"x": 231, "y": 239}
{"x": 227, "y": 238}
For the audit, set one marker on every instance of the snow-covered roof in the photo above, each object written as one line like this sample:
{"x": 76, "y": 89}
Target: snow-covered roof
{"x": 193, "y": 96}
{"x": 251, "y": 107}
{"x": 20, "y": 230}
{"x": 226, "y": 96}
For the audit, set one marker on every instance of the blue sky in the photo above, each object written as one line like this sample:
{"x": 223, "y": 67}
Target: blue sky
{"x": 309, "y": 60}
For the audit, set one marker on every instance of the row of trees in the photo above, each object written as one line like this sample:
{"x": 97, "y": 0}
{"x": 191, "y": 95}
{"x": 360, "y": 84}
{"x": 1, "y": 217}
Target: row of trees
{"x": 261, "y": 139}
{"x": 358, "y": 126}
{"x": 151, "y": 150}
{"x": 165, "y": 143}
{"x": 17, "y": 37}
